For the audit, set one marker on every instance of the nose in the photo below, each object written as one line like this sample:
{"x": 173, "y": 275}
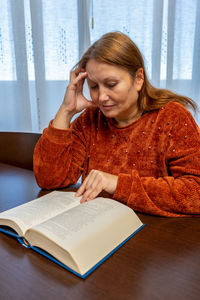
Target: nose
{"x": 103, "y": 95}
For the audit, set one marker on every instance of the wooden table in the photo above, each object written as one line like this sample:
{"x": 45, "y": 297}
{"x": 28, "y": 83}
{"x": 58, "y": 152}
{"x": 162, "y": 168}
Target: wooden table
{"x": 162, "y": 261}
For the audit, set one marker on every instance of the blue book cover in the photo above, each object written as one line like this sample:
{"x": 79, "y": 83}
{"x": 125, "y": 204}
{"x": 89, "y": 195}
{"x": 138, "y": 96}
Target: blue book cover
{"x": 25, "y": 243}
{"x": 78, "y": 237}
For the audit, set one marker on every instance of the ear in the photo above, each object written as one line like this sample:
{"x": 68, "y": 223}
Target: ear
{"x": 139, "y": 79}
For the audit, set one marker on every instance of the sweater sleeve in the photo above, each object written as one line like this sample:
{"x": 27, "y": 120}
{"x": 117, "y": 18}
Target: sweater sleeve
{"x": 177, "y": 194}
{"x": 59, "y": 156}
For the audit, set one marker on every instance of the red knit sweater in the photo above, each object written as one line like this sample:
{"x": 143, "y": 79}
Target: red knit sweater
{"x": 156, "y": 158}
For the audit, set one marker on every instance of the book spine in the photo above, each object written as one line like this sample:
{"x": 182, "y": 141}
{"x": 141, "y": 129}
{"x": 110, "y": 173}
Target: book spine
{"x": 20, "y": 239}
{"x": 24, "y": 242}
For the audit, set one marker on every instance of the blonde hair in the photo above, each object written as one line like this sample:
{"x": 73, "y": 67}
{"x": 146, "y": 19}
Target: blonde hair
{"x": 118, "y": 49}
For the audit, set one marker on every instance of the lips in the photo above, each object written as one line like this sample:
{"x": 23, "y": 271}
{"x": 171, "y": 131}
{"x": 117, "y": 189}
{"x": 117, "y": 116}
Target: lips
{"x": 107, "y": 106}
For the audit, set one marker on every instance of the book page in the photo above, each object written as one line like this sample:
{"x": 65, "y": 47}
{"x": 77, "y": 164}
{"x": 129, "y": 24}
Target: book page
{"x": 88, "y": 232}
{"x": 39, "y": 210}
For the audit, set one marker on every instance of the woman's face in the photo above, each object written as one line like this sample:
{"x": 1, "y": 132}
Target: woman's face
{"x": 114, "y": 91}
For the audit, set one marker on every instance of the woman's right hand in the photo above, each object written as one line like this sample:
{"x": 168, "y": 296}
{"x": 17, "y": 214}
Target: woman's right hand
{"x": 74, "y": 100}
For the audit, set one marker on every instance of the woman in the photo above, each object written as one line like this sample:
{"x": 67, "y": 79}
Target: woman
{"x": 133, "y": 141}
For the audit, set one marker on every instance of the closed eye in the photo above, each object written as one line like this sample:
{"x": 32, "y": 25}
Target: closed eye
{"x": 111, "y": 84}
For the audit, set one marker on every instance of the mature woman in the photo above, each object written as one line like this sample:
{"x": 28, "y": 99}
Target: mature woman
{"x": 136, "y": 142}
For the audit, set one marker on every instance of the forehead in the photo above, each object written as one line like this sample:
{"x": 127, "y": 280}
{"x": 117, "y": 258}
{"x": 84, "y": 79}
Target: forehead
{"x": 100, "y": 70}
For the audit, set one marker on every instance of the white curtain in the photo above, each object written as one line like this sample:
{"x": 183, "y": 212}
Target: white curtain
{"x": 41, "y": 40}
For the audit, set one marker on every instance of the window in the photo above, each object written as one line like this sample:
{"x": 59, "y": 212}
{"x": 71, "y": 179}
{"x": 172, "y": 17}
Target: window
{"x": 40, "y": 42}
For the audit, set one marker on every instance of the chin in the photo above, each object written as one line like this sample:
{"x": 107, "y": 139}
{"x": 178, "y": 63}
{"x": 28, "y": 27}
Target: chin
{"x": 109, "y": 114}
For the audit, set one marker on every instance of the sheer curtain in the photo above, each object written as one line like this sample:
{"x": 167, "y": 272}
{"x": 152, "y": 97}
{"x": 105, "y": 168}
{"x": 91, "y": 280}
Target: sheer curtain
{"x": 41, "y": 40}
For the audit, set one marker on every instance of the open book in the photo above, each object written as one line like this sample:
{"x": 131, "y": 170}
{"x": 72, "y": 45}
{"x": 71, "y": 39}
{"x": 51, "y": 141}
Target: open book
{"x": 77, "y": 236}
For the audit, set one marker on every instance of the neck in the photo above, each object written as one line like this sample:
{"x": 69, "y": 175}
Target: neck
{"x": 126, "y": 121}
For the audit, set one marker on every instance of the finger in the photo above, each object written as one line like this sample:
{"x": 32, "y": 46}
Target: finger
{"x": 91, "y": 194}
{"x": 76, "y": 78}
{"x": 91, "y": 180}
{"x": 92, "y": 191}
{"x": 79, "y": 77}
{"x": 74, "y": 73}
{"x": 77, "y": 83}
{"x": 80, "y": 85}
{"x": 82, "y": 187}
{"x": 80, "y": 191}
{"x": 86, "y": 184}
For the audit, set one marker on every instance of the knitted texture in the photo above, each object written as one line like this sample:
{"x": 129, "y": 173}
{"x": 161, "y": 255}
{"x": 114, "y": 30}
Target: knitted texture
{"x": 156, "y": 158}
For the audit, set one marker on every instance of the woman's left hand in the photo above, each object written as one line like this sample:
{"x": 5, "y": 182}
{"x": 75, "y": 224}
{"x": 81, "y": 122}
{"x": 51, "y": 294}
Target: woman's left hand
{"x": 96, "y": 182}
